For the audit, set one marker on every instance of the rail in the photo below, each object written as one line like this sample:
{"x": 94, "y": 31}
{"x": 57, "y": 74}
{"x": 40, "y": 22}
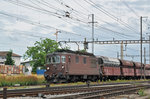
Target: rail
{"x": 60, "y": 89}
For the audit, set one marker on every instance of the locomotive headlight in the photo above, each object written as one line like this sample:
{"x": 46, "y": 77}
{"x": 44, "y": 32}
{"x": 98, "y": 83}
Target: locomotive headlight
{"x": 47, "y": 68}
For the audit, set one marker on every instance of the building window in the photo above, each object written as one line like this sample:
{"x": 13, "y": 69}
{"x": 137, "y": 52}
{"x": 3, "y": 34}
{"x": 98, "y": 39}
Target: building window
{"x": 84, "y": 60}
{"x": 63, "y": 59}
{"x": 3, "y": 57}
{"x": 77, "y": 59}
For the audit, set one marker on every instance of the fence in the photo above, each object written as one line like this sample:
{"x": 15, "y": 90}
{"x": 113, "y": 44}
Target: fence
{"x": 11, "y": 69}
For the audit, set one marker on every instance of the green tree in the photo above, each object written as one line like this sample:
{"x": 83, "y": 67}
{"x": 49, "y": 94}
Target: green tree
{"x": 83, "y": 51}
{"x": 9, "y": 60}
{"x": 38, "y": 52}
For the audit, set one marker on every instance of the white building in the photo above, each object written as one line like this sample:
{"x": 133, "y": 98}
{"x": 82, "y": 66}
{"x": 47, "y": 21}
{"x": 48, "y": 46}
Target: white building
{"x": 28, "y": 67}
{"x": 15, "y": 57}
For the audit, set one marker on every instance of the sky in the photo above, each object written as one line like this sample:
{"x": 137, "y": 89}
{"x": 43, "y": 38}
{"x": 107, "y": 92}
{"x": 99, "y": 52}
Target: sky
{"x": 23, "y": 22}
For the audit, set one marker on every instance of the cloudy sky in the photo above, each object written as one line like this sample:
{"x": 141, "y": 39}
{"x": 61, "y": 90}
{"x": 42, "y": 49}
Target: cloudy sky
{"x": 22, "y": 22}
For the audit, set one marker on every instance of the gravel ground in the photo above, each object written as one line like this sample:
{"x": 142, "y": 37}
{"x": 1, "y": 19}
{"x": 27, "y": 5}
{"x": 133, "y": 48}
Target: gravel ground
{"x": 133, "y": 96}
{"x": 46, "y": 96}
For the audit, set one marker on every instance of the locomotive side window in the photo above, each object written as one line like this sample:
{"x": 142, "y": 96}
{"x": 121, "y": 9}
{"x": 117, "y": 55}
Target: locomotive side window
{"x": 57, "y": 59}
{"x": 77, "y": 59}
{"x": 69, "y": 58}
{"x": 63, "y": 59}
{"x": 93, "y": 63}
{"x": 84, "y": 60}
{"x": 48, "y": 60}
{"x": 53, "y": 59}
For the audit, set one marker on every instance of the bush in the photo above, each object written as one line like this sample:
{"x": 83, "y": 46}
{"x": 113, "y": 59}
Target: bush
{"x": 21, "y": 79}
{"x": 141, "y": 92}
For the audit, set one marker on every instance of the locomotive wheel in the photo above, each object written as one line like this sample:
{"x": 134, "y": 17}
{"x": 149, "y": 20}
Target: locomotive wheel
{"x": 47, "y": 85}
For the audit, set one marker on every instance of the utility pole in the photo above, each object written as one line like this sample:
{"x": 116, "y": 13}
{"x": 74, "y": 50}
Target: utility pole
{"x": 121, "y": 51}
{"x": 85, "y": 44}
{"x": 149, "y": 49}
{"x": 56, "y": 34}
{"x": 144, "y": 60}
{"x": 93, "y": 32}
{"x": 78, "y": 46}
{"x": 141, "y": 44}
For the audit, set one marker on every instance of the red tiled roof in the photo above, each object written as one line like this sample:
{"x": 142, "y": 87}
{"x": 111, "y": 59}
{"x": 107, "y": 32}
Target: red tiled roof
{"x": 4, "y": 53}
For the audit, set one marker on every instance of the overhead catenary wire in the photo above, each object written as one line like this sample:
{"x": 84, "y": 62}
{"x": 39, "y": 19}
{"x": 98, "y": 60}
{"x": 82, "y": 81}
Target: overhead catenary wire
{"x": 67, "y": 21}
{"x": 62, "y": 3}
{"x": 39, "y": 24}
{"x": 97, "y": 20}
{"x": 135, "y": 13}
{"x": 23, "y": 33}
{"x": 110, "y": 15}
{"x": 36, "y": 23}
{"x": 79, "y": 17}
{"x": 104, "y": 28}
{"x": 86, "y": 22}
{"x": 45, "y": 11}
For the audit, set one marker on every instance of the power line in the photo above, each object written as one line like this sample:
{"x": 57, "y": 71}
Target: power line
{"x": 78, "y": 20}
{"x": 67, "y": 21}
{"x": 62, "y": 3}
{"x": 39, "y": 24}
{"x": 110, "y": 15}
{"x": 130, "y": 8}
{"x": 135, "y": 13}
{"x": 22, "y": 4}
{"x": 22, "y": 33}
{"x": 102, "y": 21}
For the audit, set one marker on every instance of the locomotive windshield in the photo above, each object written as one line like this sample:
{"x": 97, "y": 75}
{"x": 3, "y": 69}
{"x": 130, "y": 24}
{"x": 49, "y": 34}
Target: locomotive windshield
{"x": 53, "y": 59}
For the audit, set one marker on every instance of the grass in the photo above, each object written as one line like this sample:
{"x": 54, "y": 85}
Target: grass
{"x": 23, "y": 80}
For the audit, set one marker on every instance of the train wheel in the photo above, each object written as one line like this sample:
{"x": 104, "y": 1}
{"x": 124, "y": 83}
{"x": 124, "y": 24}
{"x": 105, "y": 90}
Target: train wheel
{"x": 47, "y": 85}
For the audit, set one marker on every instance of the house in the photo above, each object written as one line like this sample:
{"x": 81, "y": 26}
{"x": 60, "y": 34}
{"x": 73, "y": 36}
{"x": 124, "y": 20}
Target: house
{"x": 28, "y": 67}
{"x": 15, "y": 57}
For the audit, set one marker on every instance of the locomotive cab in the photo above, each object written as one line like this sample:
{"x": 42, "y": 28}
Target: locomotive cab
{"x": 55, "y": 67}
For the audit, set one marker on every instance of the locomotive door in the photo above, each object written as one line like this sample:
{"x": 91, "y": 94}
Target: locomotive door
{"x": 100, "y": 64}
{"x": 101, "y": 71}
{"x": 68, "y": 63}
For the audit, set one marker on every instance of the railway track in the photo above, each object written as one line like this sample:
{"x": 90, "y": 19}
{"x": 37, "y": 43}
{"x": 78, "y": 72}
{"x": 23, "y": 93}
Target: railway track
{"x": 100, "y": 94}
{"x": 64, "y": 89}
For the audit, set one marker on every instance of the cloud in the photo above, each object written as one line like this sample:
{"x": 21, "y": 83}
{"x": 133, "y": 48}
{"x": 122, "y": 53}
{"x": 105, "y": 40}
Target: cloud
{"x": 21, "y": 33}
{"x": 20, "y": 26}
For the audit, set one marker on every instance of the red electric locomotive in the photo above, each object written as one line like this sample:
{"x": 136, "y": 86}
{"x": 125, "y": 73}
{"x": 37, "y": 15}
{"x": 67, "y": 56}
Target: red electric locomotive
{"x": 66, "y": 65}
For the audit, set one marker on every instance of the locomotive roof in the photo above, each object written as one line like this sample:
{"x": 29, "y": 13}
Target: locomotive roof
{"x": 75, "y": 52}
